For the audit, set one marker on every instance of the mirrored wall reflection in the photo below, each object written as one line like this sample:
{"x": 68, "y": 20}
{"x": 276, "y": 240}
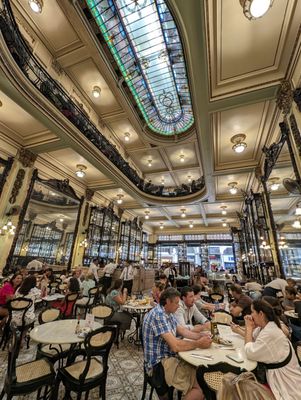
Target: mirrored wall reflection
{"x": 47, "y": 231}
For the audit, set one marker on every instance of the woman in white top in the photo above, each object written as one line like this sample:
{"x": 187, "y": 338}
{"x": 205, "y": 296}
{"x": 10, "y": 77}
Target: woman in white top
{"x": 265, "y": 342}
{"x": 28, "y": 290}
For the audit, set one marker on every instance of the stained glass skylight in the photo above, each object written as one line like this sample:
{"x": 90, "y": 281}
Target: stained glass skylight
{"x": 145, "y": 43}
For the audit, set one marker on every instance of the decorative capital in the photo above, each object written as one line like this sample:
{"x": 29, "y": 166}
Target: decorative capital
{"x": 297, "y": 98}
{"x": 285, "y": 97}
{"x": 56, "y": 66}
{"x": 89, "y": 194}
{"x": 26, "y": 158}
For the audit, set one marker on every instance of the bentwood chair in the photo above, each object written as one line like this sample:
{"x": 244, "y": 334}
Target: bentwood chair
{"x": 86, "y": 303}
{"x": 26, "y": 378}
{"x": 52, "y": 353}
{"x": 210, "y": 377}
{"x": 67, "y": 311}
{"x": 90, "y": 372}
{"x": 17, "y": 309}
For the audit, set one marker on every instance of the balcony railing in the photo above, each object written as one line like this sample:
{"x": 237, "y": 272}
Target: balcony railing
{"x": 53, "y": 91}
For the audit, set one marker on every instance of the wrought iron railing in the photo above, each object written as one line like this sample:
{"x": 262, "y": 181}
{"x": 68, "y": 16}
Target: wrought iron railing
{"x": 52, "y": 90}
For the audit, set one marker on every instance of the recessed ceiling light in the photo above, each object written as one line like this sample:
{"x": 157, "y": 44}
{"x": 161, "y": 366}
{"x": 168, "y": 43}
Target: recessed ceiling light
{"x": 127, "y": 136}
{"x": 36, "y": 5}
{"x": 254, "y": 9}
{"x": 96, "y": 92}
{"x": 239, "y": 144}
{"x": 80, "y": 170}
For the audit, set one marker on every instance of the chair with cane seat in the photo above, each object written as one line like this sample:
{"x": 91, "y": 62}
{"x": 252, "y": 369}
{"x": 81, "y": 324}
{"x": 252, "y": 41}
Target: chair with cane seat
{"x": 86, "y": 303}
{"x": 67, "y": 311}
{"x": 210, "y": 377}
{"x": 26, "y": 378}
{"x": 90, "y": 372}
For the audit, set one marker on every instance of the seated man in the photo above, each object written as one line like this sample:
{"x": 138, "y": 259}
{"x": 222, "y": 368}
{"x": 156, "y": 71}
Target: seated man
{"x": 290, "y": 298}
{"x": 161, "y": 346}
{"x": 188, "y": 314}
{"x": 201, "y": 304}
{"x": 241, "y": 305}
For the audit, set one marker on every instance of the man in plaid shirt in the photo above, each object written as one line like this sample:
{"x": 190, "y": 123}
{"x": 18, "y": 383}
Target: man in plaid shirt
{"x": 161, "y": 345}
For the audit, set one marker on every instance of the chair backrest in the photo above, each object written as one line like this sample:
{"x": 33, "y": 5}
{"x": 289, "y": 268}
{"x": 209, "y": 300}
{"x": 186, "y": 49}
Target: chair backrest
{"x": 210, "y": 377}
{"x": 20, "y": 305}
{"x": 49, "y": 315}
{"x": 102, "y": 311}
{"x": 98, "y": 342}
{"x": 222, "y": 318}
{"x": 13, "y": 351}
{"x": 216, "y": 297}
{"x": 68, "y": 308}
{"x": 93, "y": 294}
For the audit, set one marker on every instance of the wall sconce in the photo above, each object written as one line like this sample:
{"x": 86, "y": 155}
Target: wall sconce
{"x": 183, "y": 212}
{"x": 146, "y": 214}
{"x": 96, "y": 92}
{"x": 274, "y": 183}
{"x": 80, "y": 170}
{"x": 161, "y": 225}
{"x": 182, "y": 157}
{"x": 149, "y": 162}
{"x": 224, "y": 211}
{"x": 84, "y": 243}
{"x": 36, "y": 5}
{"x": 119, "y": 198}
{"x": 254, "y": 9}
{"x": 190, "y": 224}
{"x": 233, "y": 187}
{"x": 8, "y": 229}
{"x": 127, "y": 136}
{"x": 239, "y": 144}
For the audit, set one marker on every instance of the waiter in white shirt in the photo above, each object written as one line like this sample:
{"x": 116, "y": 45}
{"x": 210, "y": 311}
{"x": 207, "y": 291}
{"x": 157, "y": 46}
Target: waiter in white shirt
{"x": 108, "y": 271}
{"x": 93, "y": 269}
{"x": 170, "y": 273}
{"x": 127, "y": 275}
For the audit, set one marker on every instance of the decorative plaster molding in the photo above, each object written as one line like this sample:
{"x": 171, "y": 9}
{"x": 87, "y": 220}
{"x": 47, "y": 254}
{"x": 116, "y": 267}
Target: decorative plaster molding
{"x": 285, "y": 97}
{"x": 17, "y": 186}
{"x": 26, "y": 158}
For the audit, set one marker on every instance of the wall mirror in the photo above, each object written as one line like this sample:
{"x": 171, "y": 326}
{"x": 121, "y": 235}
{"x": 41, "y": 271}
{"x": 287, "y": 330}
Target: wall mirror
{"x": 49, "y": 227}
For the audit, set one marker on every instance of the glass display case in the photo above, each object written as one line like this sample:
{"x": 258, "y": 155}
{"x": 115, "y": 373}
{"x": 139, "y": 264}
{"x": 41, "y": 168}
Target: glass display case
{"x": 102, "y": 235}
{"x": 290, "y": 250}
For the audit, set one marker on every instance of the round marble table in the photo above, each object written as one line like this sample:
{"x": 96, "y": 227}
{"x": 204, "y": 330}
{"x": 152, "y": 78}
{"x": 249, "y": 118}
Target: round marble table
{"x": 219, "y": 353}
{"x": 59, "y": 332}
{"x": 138, "y": 311}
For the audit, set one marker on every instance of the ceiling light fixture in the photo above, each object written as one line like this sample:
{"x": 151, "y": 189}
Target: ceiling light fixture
{"x": 80, "y": 170}
{"x": 224, "y": 223}
{"x": 96, "y": 92}
{"x": 254, "y": 9}
{"x": 161, "y": 225}
{"x": 233, "y": 187}
{"x": 127, "y": 136}
{"x": 224, "y": 211}
{"x": 239, "y": 144}
{"x": 296, "y": 224}
{"x": 298, "y": 210}
{"x": 119, "y": 199}
{"x": 162, "y": 180}
{"x": 190, "y": 224}
{"x": 183, "y": 212}
{"x": 274, "y": 183}
{"x": 36, "y": 5}
{"x": 182, "y": 157}
{"x": 149, "y": 162}
{"x": 61, "y": 219}
{"x": 189, "y": 178}
{"x": 146, "y": 214}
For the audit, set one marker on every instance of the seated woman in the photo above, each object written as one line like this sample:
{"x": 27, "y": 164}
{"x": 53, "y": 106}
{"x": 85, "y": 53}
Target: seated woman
{"x": 275, "y": 303}
{"x": 116, "y": 298}
{"x": 157, "y": 289}
{"x": 73, "y": 288}
{"x": 7, "y": 293}
{"x": 87, "y": 284}
{"x": 266, "y": 343}
{"x": 29, "y": 290}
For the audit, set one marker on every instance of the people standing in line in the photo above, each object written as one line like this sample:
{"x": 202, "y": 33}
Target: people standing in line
{"x": 127, "y": 275}
{"x": 108, "y": 272}
{"x": 93, "y": 269}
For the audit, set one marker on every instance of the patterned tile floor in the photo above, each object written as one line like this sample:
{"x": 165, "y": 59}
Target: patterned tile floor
{"x": 125, "y": 377}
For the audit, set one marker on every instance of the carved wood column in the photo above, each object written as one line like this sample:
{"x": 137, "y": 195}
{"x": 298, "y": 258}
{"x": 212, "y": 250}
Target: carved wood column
{"x": 82, "y": 224}
{"x": 14, "y": 200}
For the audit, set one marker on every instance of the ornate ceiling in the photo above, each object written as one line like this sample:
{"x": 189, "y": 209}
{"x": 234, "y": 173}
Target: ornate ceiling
{"x": 234, "y": 69}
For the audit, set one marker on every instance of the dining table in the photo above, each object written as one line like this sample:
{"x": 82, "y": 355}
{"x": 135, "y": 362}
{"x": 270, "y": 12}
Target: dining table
{"x": 138, "y": 308}
{"x": 219, "y": 353}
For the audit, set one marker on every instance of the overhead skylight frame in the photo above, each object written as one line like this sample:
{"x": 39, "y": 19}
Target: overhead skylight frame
{"x": 145, "y": 43}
